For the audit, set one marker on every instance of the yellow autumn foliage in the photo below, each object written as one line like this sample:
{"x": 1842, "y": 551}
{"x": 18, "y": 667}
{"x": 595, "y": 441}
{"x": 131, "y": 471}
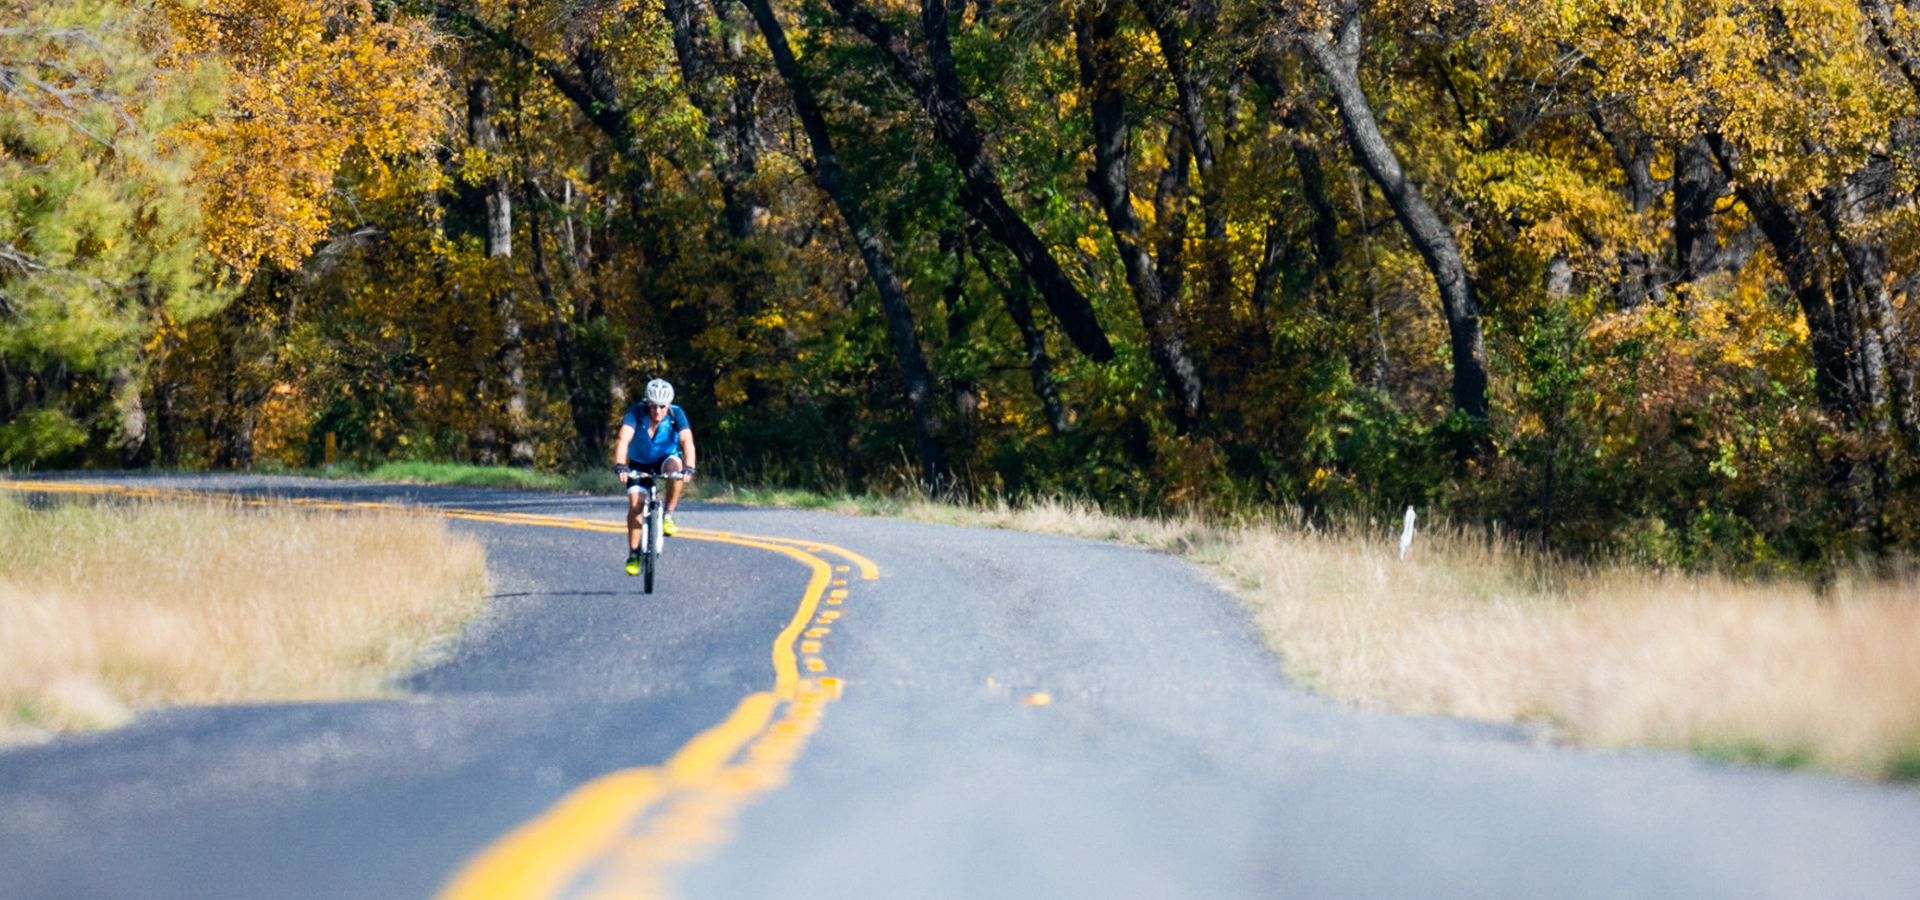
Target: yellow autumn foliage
{"x": 310, "y": 84}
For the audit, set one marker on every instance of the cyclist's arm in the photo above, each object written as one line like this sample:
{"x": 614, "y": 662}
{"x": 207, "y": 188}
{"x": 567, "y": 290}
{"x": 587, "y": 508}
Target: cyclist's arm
{"x": 686, "y": 447}
{"x": 620, "y": 448}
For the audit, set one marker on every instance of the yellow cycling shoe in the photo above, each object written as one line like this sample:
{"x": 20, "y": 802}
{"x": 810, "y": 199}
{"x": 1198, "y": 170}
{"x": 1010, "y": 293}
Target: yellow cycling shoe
{"x": 667, "y": 526}
{"x": 633, "y": 562}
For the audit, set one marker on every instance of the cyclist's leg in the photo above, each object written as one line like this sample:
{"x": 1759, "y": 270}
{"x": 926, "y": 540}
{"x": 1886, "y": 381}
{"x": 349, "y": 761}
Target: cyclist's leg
{"x": 672, "y": 464}
{"x": 636, "y": 507}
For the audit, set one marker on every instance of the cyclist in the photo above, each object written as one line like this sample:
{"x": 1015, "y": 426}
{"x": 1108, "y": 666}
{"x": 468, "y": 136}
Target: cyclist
{"x": 665, "y": 445}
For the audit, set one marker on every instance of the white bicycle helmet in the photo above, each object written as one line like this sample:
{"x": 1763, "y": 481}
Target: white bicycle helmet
{"x": 659, "y": 392}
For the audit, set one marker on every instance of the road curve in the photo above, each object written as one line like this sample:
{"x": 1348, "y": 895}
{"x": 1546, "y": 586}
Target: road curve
{"x": 1170, "y": 760}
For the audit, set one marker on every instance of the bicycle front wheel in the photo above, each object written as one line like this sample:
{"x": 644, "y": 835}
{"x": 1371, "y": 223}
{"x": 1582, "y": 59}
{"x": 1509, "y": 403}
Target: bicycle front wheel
{"x": 656, "y": 514}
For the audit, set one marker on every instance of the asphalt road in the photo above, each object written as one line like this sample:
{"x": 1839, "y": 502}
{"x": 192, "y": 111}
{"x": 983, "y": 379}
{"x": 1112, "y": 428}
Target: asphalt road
{"x": 1172, "y": 760}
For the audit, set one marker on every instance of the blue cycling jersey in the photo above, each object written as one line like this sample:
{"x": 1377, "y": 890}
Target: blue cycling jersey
{"x": 663, "y": 441}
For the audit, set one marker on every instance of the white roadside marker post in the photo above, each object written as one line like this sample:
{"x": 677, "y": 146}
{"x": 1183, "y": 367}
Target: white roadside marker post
{"x": 1406, "y": 535}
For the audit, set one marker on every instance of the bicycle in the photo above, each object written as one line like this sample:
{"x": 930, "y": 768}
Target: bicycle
{"x": 653, "y": 538}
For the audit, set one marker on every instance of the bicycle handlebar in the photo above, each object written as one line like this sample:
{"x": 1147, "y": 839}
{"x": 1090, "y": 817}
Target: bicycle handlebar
{"x": 635, "y": 473}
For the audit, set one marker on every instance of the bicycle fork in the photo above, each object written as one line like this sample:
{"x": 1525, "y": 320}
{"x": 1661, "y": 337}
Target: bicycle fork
{"x": 653, "y": 537}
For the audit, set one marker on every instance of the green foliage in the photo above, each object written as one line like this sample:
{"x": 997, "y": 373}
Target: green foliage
{"x": 96, "y": 207}
{"x": 99, "y": 214}
{"x": 1751, "y": 752}
{"x": 37, "y": 436}
{"x": 1905, "y": 765}
{"x": 469, "y": 476}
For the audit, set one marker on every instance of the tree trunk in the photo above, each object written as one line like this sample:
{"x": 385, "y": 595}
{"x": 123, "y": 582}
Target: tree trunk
{"x": 1039, "y": 362}
{"x": 937, "y": 83}
{"x": 231, "y": 425}
{"x": 1341, "y": 65}
{"x": 599, "y": 355}
{"x": 248, "y": 353}
{"x": 871, "y": 242}
{"x": 1697, "y": 186}
{"x": 1634, "y": 153}
{"x": 484, "y": 441}
{"x": 1880, "y": 13}
{"x": 1307, "y": 164}
{"x": 10, "y": 392}
{"x": 727, "y": 134}
{"x": 1326, "y": 222}
{"x": 134, "y": 452}
{"x": 1216, "y": 266}
{"x": 1095, "y": 38}
{"x": 484, "y": 136}
{"x": 1378, "y": 338}
{"x": 166, "y": 418}
{"x": 964, "y": 392}
{"x": 742, "y": 120}
{"x": 1559, "y": 277}
{"x": 240, "y": 438}
{"x": 1266, "y": 274}
{"x": 586, "y": 436}
{"x": 1885, "y": 369}
{"x": 513, "y": 363}
{"x": 1170, "y": 218}
{"x": 1787, "y": 231}
{"x": 579, "y": 243}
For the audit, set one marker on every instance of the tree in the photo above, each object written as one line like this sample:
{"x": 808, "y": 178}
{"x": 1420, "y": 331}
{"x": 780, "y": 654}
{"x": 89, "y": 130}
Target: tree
{"x": 100, "y": 218}
{"x": 937, "y": 83}
{"x": 1156, "y": 285}
{"x": 871, "y": 242}
{"x": 1336, "y": 50}
{"x": 312, "y": 86}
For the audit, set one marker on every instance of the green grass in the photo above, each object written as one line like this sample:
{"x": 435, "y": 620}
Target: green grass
{"x": 796, "y": 498}
{"x": 1905, "y": 765}
{"x": 1747, "y": 751}
{"x": 506, "y": 477}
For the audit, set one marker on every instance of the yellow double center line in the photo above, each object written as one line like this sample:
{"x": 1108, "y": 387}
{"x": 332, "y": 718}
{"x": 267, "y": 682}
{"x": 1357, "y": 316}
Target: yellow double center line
{"x": 627, "y": 833}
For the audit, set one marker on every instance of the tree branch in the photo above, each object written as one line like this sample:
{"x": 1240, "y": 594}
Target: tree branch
{"x": 937, "y": 82}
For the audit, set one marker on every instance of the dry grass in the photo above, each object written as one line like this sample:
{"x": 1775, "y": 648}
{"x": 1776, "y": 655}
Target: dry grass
{"x": 1759, "y": 672}
{"x": 1756, "y": 672}
{"x": 113, "y": 607}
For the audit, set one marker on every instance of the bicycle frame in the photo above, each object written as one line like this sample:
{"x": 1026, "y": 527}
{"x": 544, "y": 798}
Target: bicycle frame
{"x": 653, "y": 538}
